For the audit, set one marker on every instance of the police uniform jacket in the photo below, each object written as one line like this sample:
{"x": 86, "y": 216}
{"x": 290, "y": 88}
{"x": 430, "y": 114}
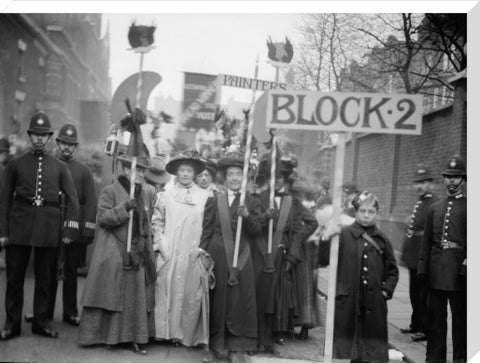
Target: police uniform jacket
{"x": 85, "y": 188}
{"x": 414, "y": 234}
{"x": 29, "y": 201}
{"x": 444, "y": 244}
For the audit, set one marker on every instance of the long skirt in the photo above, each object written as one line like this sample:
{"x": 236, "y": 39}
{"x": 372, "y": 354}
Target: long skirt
{"x": 305, "y": 282}
{"x": 133, "y": 324}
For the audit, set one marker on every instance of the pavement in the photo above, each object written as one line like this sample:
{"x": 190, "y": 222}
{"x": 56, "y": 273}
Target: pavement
{"x": 33, "y": 348}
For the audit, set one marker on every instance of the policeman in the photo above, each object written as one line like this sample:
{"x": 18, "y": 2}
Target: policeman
{"x": 443, "y": 259}
{"x": 30, "y": 217}
{"x": 418, "y": 288}
{"x": 74, "y": 254}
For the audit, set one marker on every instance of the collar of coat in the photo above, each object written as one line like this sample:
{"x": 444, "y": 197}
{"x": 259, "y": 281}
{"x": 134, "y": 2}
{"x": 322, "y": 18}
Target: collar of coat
{"x": 357, "y": 231}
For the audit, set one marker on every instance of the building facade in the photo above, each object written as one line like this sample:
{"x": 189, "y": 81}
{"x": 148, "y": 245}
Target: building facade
{"x": 58, "y": 63}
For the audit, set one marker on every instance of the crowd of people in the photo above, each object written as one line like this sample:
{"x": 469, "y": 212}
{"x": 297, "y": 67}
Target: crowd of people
{"x": 183, "y": 256}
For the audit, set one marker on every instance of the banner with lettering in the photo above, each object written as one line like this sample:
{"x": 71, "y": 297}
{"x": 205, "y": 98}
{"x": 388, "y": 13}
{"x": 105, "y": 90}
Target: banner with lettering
{"x": 198, "y": 100}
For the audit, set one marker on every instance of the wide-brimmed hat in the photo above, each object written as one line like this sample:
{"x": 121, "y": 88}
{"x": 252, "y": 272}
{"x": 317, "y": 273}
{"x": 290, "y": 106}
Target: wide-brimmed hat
{"x": 40, "y": 124}
{"x": 231, "y": 159}
{"x": 68, "y": 134}
{"x": 455, "y": 167}
{"x": 210, "y": 166}
{"x": 157, "y": 172}
{"x": 285, "y": 166}
{"x": 142, "y": 161}
{"x": 350, "y": 188}
{"x": 185, "y": 157}
{"x": 4, "y": 145}
{"x": 422, "y": 173}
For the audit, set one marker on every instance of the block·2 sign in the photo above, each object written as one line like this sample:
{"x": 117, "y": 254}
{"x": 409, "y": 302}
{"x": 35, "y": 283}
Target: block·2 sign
{"x": 338, "y": 111}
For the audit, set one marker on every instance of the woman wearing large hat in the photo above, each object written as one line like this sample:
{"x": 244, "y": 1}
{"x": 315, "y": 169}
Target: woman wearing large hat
{"x": 233, "y": 313}
{"x": 176, "y": 224}
{"x": 280, "y": 302}
{"x": 118, "y": 301}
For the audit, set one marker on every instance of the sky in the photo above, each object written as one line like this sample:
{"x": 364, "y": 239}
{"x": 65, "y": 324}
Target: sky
{"x": 200, "y": 43}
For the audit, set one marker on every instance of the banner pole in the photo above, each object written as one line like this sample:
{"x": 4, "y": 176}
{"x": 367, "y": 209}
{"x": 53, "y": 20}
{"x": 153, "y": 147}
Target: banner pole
{"x": 332, "y": 271}
{"x": 133, "y": 170}
{"x": 272, "y": 179}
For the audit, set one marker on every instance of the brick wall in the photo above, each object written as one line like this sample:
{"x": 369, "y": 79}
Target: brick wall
{"x": 384, "y": 164}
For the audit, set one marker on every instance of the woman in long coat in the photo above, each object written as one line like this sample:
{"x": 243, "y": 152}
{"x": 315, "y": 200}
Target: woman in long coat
{"x": 279, "y": 304}
{"x": 367, "y": 274}
{"x": 118, "y": 299}
{"x": 177, "y": 225}
{"x": 233, "y": 312}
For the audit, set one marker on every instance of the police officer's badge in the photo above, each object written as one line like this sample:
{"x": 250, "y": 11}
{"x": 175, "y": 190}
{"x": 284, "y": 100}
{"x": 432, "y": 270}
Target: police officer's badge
{"x": 69, "y": 132}
{"x": 453, "y": 163}
{"x": 40, "y": 121}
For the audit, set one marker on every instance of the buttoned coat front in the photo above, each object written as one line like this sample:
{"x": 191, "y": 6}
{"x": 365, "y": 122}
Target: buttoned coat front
{"x": 446, "y": 220}
{"x": 21, "y": 221}
{"x": 412, "y": 244}
{"x": 355, "y": 338}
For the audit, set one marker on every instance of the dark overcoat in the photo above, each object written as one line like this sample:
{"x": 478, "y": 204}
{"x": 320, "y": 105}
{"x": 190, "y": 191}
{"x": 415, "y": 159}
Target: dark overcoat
{"x": 446, "y": 220}
{"x": 362, "y": 333}
{"x": 413, "y": 240}
{"x": 231, "y": 307}
{"x": 87, "y": 197}
{"x": 104, "y": 287}
{"x": 297, "y": 228}
{"x": 42, "y": 175}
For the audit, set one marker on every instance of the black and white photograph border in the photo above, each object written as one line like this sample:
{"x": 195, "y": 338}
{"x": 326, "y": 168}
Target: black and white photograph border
{"x": 162, "y": 80}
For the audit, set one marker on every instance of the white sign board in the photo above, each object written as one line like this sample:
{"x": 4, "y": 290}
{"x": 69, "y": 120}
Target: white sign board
{"x": 358, "y": 112}
{"x": 250, "y": 83}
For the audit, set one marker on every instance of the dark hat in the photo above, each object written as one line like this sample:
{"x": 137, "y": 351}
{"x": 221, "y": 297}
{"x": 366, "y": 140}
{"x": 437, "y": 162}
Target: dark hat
{"x": 68, "y": 134}
{"x": 455, "y": 167}
{"x": 231, "y": 159}
{"x": 186, "y": 156}
{"x": 4, "y": 145}
{"x": 350, "y": 188}
{"x": 142, "y": 161}
{"x": 210, "y": 165}
{"x": 285, "y": 166}
{"x": 157, "y": 172}
{"x": 422, "y": 173}
{"x": 40, "y": 124}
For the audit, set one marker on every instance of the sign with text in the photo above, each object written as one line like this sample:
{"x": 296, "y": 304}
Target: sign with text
{"x": 250, "y": 83}
{"x": 356, "y": 112}
{"x": 198, "y": 100}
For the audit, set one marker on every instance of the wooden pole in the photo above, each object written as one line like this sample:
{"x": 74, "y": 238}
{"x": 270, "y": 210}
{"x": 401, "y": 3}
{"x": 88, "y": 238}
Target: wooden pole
{"x": 272, "y": 180}
{"x": 243, "y": 190}
{"x": 133, "y": 170}
{"x": 332, "y": 272}
{"x": 273, "y": 169}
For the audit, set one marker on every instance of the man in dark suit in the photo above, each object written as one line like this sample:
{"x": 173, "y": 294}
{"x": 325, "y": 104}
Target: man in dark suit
{"x": 30, "y": 218}
{"x": 74, "y": 253}
{"x": 443, "y": 258}
{"x": 418, "y": 287}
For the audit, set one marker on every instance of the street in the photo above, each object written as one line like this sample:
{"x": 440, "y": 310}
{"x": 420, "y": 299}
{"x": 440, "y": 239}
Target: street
{"x": 34, "y": 348}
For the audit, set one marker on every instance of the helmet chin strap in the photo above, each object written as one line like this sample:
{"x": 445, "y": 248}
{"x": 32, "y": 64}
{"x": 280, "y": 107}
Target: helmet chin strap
{"x": 39, "y": 149}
